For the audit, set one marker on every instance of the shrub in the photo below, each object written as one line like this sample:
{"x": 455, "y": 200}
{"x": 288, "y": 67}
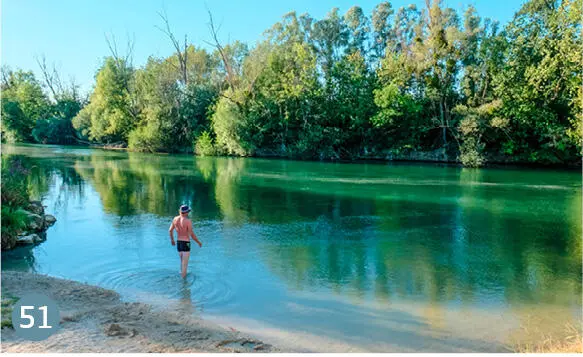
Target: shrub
{"x": 6, "y": 310}
{"x": 54, "y": 131}
{"x": 14, "y": 196}
{"x": 146, "y": 139}
{"x": 13, "y": 222}
{"x": 204, "y": 145}
{"x": 14, "y": 184}
{"x": 231, "y": 130}
{"x": 471, "y": 153}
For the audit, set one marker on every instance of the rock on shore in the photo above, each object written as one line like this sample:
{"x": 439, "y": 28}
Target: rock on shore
{"x": 29, "y": 239}
{"x": 34, "y": 232}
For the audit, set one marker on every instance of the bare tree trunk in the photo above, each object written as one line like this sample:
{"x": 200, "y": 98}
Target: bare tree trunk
{"x": 217, "y": 44}
{"x": 123, "y": 65}
{"x": 51, "y": 78}
{"x": 443, "y": 123}
{"x": 182, "y": 55}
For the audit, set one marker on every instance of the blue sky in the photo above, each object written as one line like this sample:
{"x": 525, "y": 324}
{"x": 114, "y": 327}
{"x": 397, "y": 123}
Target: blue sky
{"x": 71, "y": 33}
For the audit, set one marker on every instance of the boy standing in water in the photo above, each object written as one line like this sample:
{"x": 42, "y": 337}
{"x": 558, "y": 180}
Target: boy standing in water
{"x": 183, "y": 227}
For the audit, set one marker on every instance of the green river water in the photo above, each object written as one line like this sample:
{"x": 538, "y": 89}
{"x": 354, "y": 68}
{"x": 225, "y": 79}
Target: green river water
{"x": 320, "y": 256}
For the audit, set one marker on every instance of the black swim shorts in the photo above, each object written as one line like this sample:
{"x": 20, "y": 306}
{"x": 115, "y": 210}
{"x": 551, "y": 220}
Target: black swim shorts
{"x": 183, "y": 246}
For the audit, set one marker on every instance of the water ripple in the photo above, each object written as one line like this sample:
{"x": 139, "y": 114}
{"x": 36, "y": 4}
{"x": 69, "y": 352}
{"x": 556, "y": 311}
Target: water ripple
{"x": 201, "y": 287}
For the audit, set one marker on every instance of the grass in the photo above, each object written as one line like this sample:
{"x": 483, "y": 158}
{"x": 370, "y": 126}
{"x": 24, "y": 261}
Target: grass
{"x": 6, "y": 310}
{"x": 13, "y": 221}
{"x": 571, "y": 343}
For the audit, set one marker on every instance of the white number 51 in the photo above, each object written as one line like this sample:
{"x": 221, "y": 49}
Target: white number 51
{"x": 24, "y": 315}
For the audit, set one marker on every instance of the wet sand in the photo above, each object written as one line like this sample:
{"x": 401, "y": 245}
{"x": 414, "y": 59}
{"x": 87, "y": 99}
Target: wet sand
{"x": 94, "y": 319}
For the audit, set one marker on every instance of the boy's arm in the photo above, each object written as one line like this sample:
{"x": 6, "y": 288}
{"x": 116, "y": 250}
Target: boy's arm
{"x": 171, "y": 232}
{"x": 194, "y": 236}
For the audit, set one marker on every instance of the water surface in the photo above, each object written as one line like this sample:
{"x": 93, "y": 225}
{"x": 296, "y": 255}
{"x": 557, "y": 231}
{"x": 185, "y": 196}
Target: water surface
{"x": 320, "y": 256}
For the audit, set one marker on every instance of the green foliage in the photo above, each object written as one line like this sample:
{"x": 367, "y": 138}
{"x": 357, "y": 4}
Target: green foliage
{"x": 146, "y": 139}
{"x": 110, "y": 111}
{"x": 342, "y": 87}
{"x": 171, "y": 113}
{"x": 29, "y": 115}
{"x": 230, "y": 128}
{"x": 23, "y": 102}
{"x": 204, "y": 145}
{"x": 58, "y": 128}
{"x": 540, "y": 80}
{"x": 15, "y": 126}
{"x": 13, "y": 222}
{"x": 54, "y": 130}
{"x": 15, "y": 195}
{"x": 197, "y": 108}
{"x": 14, "y": 185}
{"x": 477, "y": 127}
{"x": 6, "y": 310}
{"x": 471, "y": 153}
{"x": 347, "y": 114}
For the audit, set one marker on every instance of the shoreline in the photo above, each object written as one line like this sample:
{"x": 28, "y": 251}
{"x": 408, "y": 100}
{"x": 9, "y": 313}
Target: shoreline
{"x": 381, "y": 160}
{"x": 387, "y": 158}
{"x": 94, "y": 319}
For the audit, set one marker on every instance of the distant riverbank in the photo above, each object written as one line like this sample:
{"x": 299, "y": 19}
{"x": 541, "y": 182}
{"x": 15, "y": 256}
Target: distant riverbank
{"x": 94, "y": 319}
{"x": 439, "y": 156}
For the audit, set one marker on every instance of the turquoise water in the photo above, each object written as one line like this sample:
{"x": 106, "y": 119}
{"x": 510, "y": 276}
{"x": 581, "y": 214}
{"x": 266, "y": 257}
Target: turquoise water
{"x": 320, "y": 256}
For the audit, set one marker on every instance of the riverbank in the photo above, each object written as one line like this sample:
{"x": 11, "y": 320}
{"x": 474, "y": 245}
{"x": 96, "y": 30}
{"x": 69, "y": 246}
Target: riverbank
{"x": 439, "y": 156}
{"x": 94, "y": 319}
{"x": 30, "y": 227}
{"x": 24, "y": 221}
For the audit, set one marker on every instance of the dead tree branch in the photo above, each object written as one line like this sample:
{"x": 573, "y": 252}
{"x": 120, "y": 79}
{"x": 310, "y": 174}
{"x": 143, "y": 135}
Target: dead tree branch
{"x": 124, "y": 66}
{"x": 51, "y": 78}
{"x": 120, "y": 61}
{"x": 217, "y": 44}
{"x": 180, "y": 53}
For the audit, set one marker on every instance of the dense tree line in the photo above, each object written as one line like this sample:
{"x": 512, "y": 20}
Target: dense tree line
{"x": 343, "y": 87}
{"x": 33, "y": 111}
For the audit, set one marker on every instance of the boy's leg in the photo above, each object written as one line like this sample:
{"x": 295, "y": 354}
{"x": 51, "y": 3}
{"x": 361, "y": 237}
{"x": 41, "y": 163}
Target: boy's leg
{"x": 184, "y": 256}
{"x": 180, "y": 255}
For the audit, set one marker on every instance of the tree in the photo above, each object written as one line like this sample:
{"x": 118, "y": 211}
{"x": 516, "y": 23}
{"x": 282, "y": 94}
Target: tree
{"x": 438, "y": 59}
{"x": 540, "y": 81}
{"x": 383, "y": 32}
{"x": 352, "y": 106}
{"x": 111, "y": 111}
{"x": 341, "y": 87}
{"x": 23, "y": 103}
{"x": 329, "y": 38}
{"x": 231, "y": 129}
{"x": 358, "y": 27}
{"x": 57, "y": 127}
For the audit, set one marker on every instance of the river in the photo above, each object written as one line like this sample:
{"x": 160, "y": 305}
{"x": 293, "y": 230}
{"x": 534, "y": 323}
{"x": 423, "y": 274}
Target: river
{"x": 320, "y": 256}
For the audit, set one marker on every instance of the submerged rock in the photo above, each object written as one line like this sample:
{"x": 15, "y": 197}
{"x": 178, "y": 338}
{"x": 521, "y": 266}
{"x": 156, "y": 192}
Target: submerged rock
{"x": 50, "y": 220}
{"x": 36, "y": 207}
{"x": 35, "y": 222}
{"x": 29, "y": 239}
{"x": 117, "y": 330}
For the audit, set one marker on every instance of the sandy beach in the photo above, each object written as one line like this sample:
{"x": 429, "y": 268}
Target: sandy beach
{"x": 94, "y": 319}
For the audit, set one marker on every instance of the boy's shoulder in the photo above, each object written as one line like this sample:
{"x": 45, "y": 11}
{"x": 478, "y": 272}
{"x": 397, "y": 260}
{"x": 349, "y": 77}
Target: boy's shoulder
{"x": 183, "y": 218}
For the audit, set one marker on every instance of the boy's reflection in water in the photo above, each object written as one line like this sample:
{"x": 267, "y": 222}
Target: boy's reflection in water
{"x": 185, "y": 304}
